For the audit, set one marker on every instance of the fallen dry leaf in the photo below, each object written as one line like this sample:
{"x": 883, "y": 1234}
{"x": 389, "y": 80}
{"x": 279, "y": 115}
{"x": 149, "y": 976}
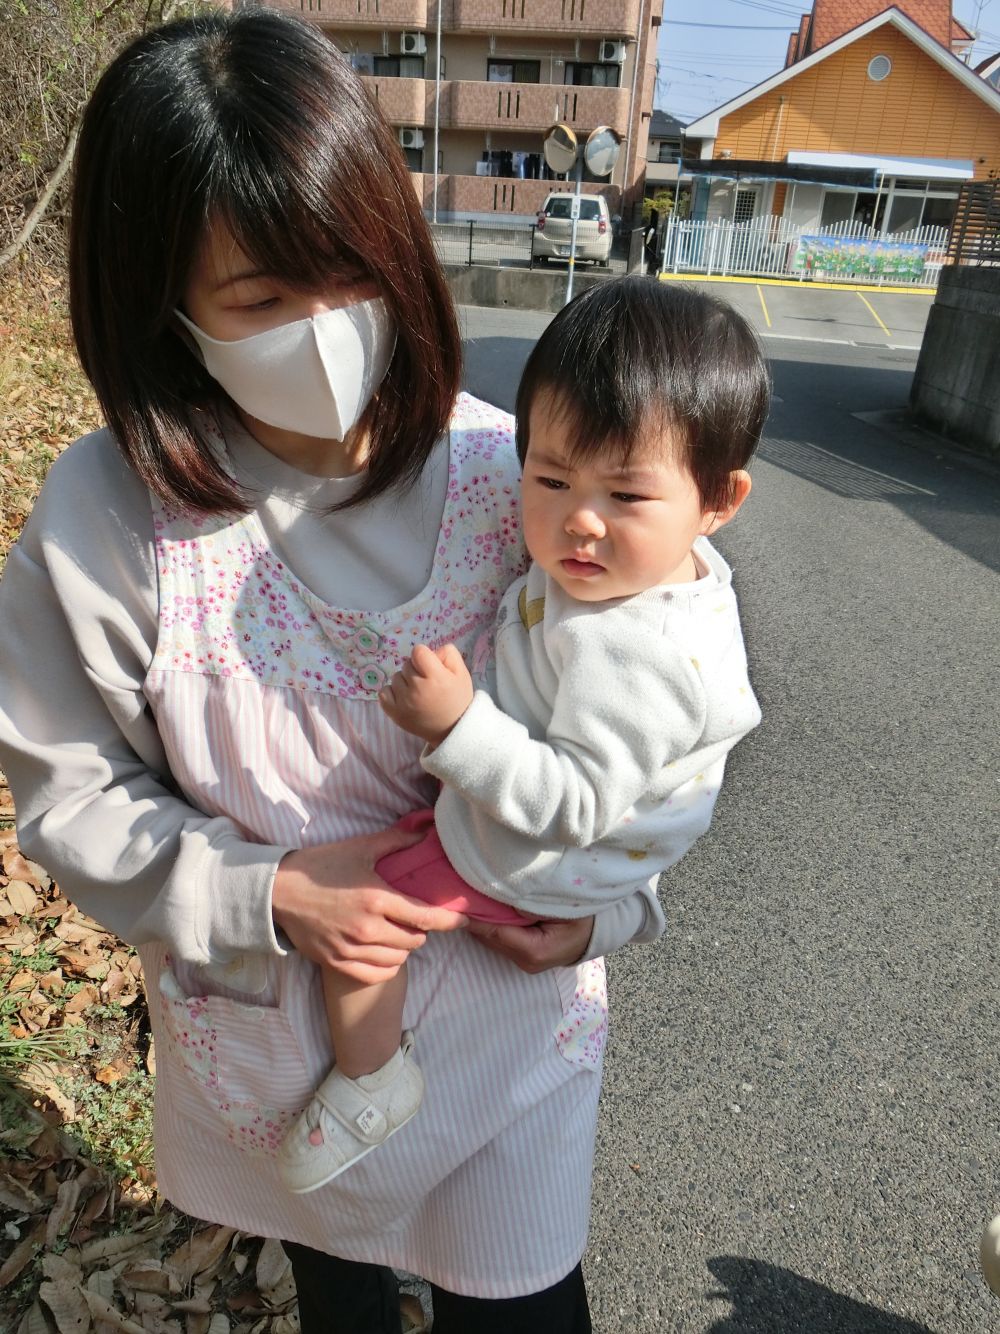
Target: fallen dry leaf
{"x": 21, "y": 897}
{"x": 34, "y": 1321}
{"x": 272, "y": 1265}
{"x": 17, "y": 867}
{"x": 87, "y": 996}
{"x": 17, "y": 1196}
{"x": 199, "y": 1252}
{"x": 41, "y": 1079}
{"x": 101, "y": 1309}
{"x": 17, "y": 937}
{"x": 66, "y": 1198}
{"x": 22, "y": 1254}
{"x": 412, "y": 1314}
{"x": 150, "y": 1276}
{"x": 68, "y": 1306}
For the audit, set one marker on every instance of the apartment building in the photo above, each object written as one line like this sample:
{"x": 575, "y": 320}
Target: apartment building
{"x": 472, "y": 105}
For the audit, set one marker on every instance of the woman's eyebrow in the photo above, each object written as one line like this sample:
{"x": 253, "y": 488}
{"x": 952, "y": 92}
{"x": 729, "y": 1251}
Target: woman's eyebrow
{"x": 244, "y": 276}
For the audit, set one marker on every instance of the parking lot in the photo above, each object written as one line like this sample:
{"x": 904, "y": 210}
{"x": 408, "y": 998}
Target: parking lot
{"x": 810, "y": 313}
{"x": 852, "y": 316}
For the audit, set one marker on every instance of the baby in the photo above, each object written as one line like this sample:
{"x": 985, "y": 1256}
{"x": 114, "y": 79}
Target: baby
{"x": 594, "y": 760}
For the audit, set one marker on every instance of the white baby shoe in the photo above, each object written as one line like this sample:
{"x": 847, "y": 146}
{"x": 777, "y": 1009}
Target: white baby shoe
{"x": 347, "y": 1118}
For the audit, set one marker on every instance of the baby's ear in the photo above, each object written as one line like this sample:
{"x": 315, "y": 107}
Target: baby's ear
{"x": 739, "y": 489}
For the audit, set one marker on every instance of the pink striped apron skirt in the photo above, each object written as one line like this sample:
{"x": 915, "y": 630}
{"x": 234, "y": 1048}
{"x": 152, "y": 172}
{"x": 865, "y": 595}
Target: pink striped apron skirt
{"x": 265, "y": 698}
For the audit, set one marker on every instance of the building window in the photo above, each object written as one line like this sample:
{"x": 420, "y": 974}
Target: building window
{"x": 746, "y": 203}
{"x": 513, "y": 71}
{"x": 869, "y": 208}
{"x": 399, "y": 67}
{"x": 838, "y": 207}
{"x": 939, "y": 210}
{"x": 904, "y": 215}
{"x": 668, "y": 151}
{"x": 879, "y": 68}
{"x": 592, "y": 76}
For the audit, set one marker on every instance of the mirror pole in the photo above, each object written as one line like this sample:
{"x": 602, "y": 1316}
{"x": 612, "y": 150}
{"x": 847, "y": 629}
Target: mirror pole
{"x": 576, "y": 219}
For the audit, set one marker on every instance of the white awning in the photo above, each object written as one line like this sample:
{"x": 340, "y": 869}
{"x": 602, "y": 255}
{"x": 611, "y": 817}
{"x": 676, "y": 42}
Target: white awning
{"x": 931, "y": 168}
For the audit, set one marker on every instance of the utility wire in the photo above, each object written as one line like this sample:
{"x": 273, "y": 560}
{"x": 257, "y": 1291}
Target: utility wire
{"x": 742, "y": 27}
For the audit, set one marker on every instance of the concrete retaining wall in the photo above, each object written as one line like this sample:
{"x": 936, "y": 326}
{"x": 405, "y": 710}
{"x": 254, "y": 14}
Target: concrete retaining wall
{"x": 956, "y": 387}
{"x": 522, "y": 289}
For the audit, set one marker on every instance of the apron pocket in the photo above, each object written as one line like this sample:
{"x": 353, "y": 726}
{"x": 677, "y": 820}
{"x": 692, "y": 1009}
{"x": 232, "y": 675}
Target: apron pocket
{"x": 245, "y": 1060}
{"x": 582, "y": 1030}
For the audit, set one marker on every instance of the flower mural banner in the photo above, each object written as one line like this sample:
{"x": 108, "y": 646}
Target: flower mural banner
{"x": 843, "y": 257}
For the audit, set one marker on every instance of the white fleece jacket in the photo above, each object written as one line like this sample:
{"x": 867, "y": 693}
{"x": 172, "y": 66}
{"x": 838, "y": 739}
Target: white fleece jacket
{"x": 601, "y": 760}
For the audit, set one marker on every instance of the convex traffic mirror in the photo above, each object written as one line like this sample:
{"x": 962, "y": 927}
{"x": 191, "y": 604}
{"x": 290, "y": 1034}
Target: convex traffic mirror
{"x": 559, "y": 148}
{"x": 601, "y": 150}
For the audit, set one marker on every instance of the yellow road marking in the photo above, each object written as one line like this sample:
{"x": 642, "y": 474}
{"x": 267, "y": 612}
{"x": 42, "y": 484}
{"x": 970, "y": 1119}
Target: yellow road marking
{"x": 763, "y": 305}
{"x": 875, "y": 313}
{"x": 795, "y": 282}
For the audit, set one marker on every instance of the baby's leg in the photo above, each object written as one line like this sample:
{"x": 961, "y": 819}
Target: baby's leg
{"x": 366, "y": 1020}
{"x": 372, "y": 1091}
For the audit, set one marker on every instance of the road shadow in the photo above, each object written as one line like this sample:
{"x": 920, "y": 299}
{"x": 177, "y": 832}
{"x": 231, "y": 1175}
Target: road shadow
{"x": 770, "y": 1300}
{"x": 493, "y": 367}
{"x": 816, "y": 432}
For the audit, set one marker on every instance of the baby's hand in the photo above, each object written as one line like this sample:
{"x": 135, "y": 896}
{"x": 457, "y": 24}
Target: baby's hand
{"x": 430, "y": 694}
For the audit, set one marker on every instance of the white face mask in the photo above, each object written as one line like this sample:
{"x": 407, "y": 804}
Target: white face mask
{"x": 315, "y": 376}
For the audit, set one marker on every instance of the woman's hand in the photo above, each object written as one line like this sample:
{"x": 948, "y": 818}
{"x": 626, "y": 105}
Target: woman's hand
{"x": 337, "y": 911}
{"x": 536, "y": 948}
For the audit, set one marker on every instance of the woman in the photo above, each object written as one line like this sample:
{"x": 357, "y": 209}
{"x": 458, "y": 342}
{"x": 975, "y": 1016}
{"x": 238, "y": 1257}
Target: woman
{"x": 198, "y": 619}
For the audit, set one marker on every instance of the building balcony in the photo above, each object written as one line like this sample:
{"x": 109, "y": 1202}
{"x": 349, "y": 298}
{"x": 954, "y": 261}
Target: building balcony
{"x": 400, "y": 14}
{"x": 603, "y": 18}
{"x": 533, "y": 106}
{"x": 402, "y": 101}
{"x": 503, "y": 196}
{"x": 664, "y": 173}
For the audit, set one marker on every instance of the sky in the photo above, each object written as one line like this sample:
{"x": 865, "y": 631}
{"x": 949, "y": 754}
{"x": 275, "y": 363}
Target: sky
{"x": 711, "y": 50}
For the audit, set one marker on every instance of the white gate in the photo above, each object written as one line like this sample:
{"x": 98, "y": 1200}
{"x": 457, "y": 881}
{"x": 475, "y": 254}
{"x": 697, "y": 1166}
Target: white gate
{"x": 774, "y": 247}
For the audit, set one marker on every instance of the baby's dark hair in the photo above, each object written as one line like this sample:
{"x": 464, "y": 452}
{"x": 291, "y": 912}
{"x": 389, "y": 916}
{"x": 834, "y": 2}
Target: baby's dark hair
{"x": 634, "y": 355}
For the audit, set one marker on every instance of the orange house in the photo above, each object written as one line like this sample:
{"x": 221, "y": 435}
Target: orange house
{"x": 879, "y": 125}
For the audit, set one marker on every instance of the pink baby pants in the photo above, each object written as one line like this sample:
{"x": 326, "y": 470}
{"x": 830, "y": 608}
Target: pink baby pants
{"x": 424, "y": 872}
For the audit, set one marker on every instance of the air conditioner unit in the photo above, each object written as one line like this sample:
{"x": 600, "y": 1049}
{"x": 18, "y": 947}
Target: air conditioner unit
{"x": 611, "y": 53}
{"x": 411, "y": 138}
{"x": 412, "y": 44}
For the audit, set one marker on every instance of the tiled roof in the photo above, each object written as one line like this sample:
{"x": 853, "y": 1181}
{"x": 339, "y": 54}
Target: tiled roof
{"x": 664, "y": 126}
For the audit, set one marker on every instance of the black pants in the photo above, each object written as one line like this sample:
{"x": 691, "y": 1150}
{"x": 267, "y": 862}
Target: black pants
{"x": 345, "y": 1297}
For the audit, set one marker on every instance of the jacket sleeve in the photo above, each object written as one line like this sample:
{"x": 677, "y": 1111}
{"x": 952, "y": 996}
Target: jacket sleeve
{"x": 95, "y": 802}
{"x": 626, "y": 705}
{"x": 635, "y": 919}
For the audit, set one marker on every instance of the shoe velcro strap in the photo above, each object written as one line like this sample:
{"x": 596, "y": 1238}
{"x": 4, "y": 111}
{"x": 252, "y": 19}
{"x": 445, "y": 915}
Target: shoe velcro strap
{"x": 353, "y": 1109}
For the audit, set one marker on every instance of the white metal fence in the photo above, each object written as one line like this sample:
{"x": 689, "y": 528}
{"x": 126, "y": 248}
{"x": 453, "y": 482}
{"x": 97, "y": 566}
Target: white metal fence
{"x": 775, "y": 247}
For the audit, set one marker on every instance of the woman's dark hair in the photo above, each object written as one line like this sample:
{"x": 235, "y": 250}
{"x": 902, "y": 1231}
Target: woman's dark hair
{"x": 256, "y": 121}
{"x": 636, "y": 355}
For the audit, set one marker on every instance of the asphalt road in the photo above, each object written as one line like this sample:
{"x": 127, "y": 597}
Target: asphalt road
{"x": 799, "y": 1129}
{"x": 804, "y": 312}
